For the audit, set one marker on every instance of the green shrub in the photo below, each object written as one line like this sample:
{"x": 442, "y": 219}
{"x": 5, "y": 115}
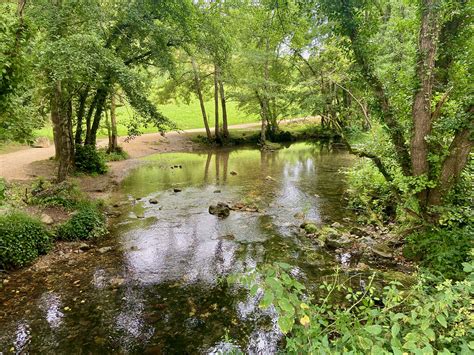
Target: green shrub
{"x": 441, "y": 250}
{"x": 47, "y": 194}
{"x": 22, "y": 240}
{"x": 369, "y": 193}
{"x": 3, "y": 190}
{"x": 87, "y": 223}
{"x": 419, "y": 320}
{"x": 116, "y": 155}
{"x": 89, "y": 160}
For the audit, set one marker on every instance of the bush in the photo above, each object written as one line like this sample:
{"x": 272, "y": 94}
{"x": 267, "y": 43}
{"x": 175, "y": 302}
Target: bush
{"x": 441, "y": 250}
{"x": 369, "y": 193}
{"x": 3, "y": 190}
{"x": 116, "y": 155}
{"x": 86, "y": 224}
{"x": 47, "y": 194}
{"x": 22, "y": 240}
{"x": 89, "y": 160}
{"x": 419, "y": 320}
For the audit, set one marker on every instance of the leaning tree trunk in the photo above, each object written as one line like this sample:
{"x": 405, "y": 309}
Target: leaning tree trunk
{"x": 197, "y": 83}
{"x": 216, "y": 103}
{"x": 91, "y": 139}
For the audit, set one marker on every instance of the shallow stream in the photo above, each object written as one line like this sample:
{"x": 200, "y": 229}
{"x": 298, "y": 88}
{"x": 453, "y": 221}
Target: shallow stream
{"x": 161, "y": 287}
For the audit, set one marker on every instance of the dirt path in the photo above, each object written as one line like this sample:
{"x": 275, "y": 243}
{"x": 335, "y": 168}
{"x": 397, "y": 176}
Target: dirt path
{"x": 33, "y": 162}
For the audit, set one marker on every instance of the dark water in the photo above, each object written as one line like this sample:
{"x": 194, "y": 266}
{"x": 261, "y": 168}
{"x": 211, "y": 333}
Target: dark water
{"x": 161, "y": 289}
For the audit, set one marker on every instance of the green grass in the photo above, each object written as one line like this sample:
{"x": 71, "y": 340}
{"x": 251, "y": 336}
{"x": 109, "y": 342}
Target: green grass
{"x": 183, "y": 115}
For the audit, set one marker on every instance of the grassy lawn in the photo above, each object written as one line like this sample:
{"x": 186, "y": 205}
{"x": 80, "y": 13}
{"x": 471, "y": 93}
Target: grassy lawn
{"x": 185, "y": 117}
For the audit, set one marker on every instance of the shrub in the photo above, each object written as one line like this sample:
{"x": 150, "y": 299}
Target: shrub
{"x": 87, "y": 223}
{"x": 441, "y": 250}
{"x": 415, "y": 320}
{"x": 89, "y": 160}
{"x": 64, "y": 194}
{"x": 369, "y": 193}
{"x": 22, "y": 239}
{"x": 116, "y": 155}
{"x": 3, "y": 190}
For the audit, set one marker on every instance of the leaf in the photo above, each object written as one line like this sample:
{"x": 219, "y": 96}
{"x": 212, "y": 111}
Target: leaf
{"x": 286, "y": 323}
{"x": 267, "y": 299}
{"x": 253, "y": 290}
{"x": 374, "y": 329}
{"x": 286, "y": 306}
{"x": 442, "y": 320}
{"x": 395, "y": 330}
{"x": 304, "y": 306}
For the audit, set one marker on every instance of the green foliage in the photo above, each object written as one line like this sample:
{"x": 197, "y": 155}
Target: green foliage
{"x": 22, "y": 240}
{"x": 442, "y": 250}
{"x": 3, "y": 190}
{"x": 369, "y": 193}
{"x": 116, "y": 155}
{"x": 89, "y": 160}
{"x": 340, "y": 319}
{"x": 48, "y": 194}
{"x": 87, "y": 223}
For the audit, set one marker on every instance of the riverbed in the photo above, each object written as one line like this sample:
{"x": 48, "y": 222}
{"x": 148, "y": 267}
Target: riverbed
{"x": 157, "y": 284}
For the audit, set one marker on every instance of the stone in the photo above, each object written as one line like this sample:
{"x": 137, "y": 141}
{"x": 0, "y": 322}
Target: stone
{"x": 84, "y": 246}
{"x": 41, "y": 142}
{"x": 358, "y": 232}
{"x": 227, "y": 237}
{"x": 46, "y": 219}
{"x": 177, "y": 190}
{"x": 269, "y": 178}
{"x": 233, "y": 173}
{"x": 153, "y": 201}
{"x": 382, "y": 251}
{"x": 104, "y": 250}
{"x": 362, "y": 267}
{"x": 222, "y": 210}
{"x": 299, "y": 215}
{"x": 336, "y": 241}
{"x": 217, "y": 191}
{"x": 336, "y": 225}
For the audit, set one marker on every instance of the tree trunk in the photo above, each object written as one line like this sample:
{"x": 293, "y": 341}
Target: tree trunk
{"x": 62, "y": 113}
{"x": 216, "y": 103}
{"x": 197, "y": 83}
{"x": 101, "y": 98}
{"x": 113, "y": 144}
{"x": 109, "y": 130}
{"x": 421, "y": 110}
{"x": 225, "y": 127}
{"x": 80, "y": 115}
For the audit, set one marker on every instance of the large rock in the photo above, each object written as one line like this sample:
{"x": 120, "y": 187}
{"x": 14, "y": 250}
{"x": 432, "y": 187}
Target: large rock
{"x": 359, "y": 232}
{"x": 383, "y": 251}
{"x": 336, "y": 241}
{"x": 221, "y": 210}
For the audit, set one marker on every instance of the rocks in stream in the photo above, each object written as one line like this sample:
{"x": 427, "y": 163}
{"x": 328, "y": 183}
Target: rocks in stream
{"x": 153, "y": 201}
{"x": 104, "y": 250}
{"x": 233, "y": 173}
{"x": 336, "y": 241}
{"x": 221, "y": 210}
{"x": 176, "y": 189}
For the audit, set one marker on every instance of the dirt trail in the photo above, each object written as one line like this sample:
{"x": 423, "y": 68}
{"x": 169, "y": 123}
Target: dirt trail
{"x": 33, "y": 162}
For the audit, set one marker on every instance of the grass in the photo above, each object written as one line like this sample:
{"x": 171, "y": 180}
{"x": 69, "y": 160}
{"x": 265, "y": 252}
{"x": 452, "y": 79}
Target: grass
{"x": 183, "y": 115}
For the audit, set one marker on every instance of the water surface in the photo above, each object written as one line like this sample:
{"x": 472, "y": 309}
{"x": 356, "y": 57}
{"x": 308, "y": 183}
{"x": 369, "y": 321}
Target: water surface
{"x": 162, "y": 288}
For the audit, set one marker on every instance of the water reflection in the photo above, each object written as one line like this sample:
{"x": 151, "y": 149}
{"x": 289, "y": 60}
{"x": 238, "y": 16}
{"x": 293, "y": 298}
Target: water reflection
{"x": 159, "y": 289}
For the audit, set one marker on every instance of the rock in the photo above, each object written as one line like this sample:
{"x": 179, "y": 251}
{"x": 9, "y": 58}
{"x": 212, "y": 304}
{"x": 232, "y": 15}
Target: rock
{"x": 336, "y": 241}
{"x": 346, "y": 219}
{"x": 217, "y": 191}
{"x": 336, "y": 225}
{"x": 362, "y": 267}
{"x": 140, "y": 215}
{"x": 382, "y": 251}
{"x": 222, "y": 210}
{"x": 299, "y": 215}
{"x": 116, "y": 281}
{"x": 84, "y": 246}
{"x": 177, "y": 190}
{"x": 120, "y": 204}
{"x": 269, "y": 178}
{"x": 5, "y": 281}
{"x": 41, "y": 142}
{"x": 104, "y": 250}
{"x": 46, "y": 219}
{"x": 153, "y": 201}
{"x": 359, "y": 232}
{"x": 233, "y": 173}
{"x": 227, "y": 237}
